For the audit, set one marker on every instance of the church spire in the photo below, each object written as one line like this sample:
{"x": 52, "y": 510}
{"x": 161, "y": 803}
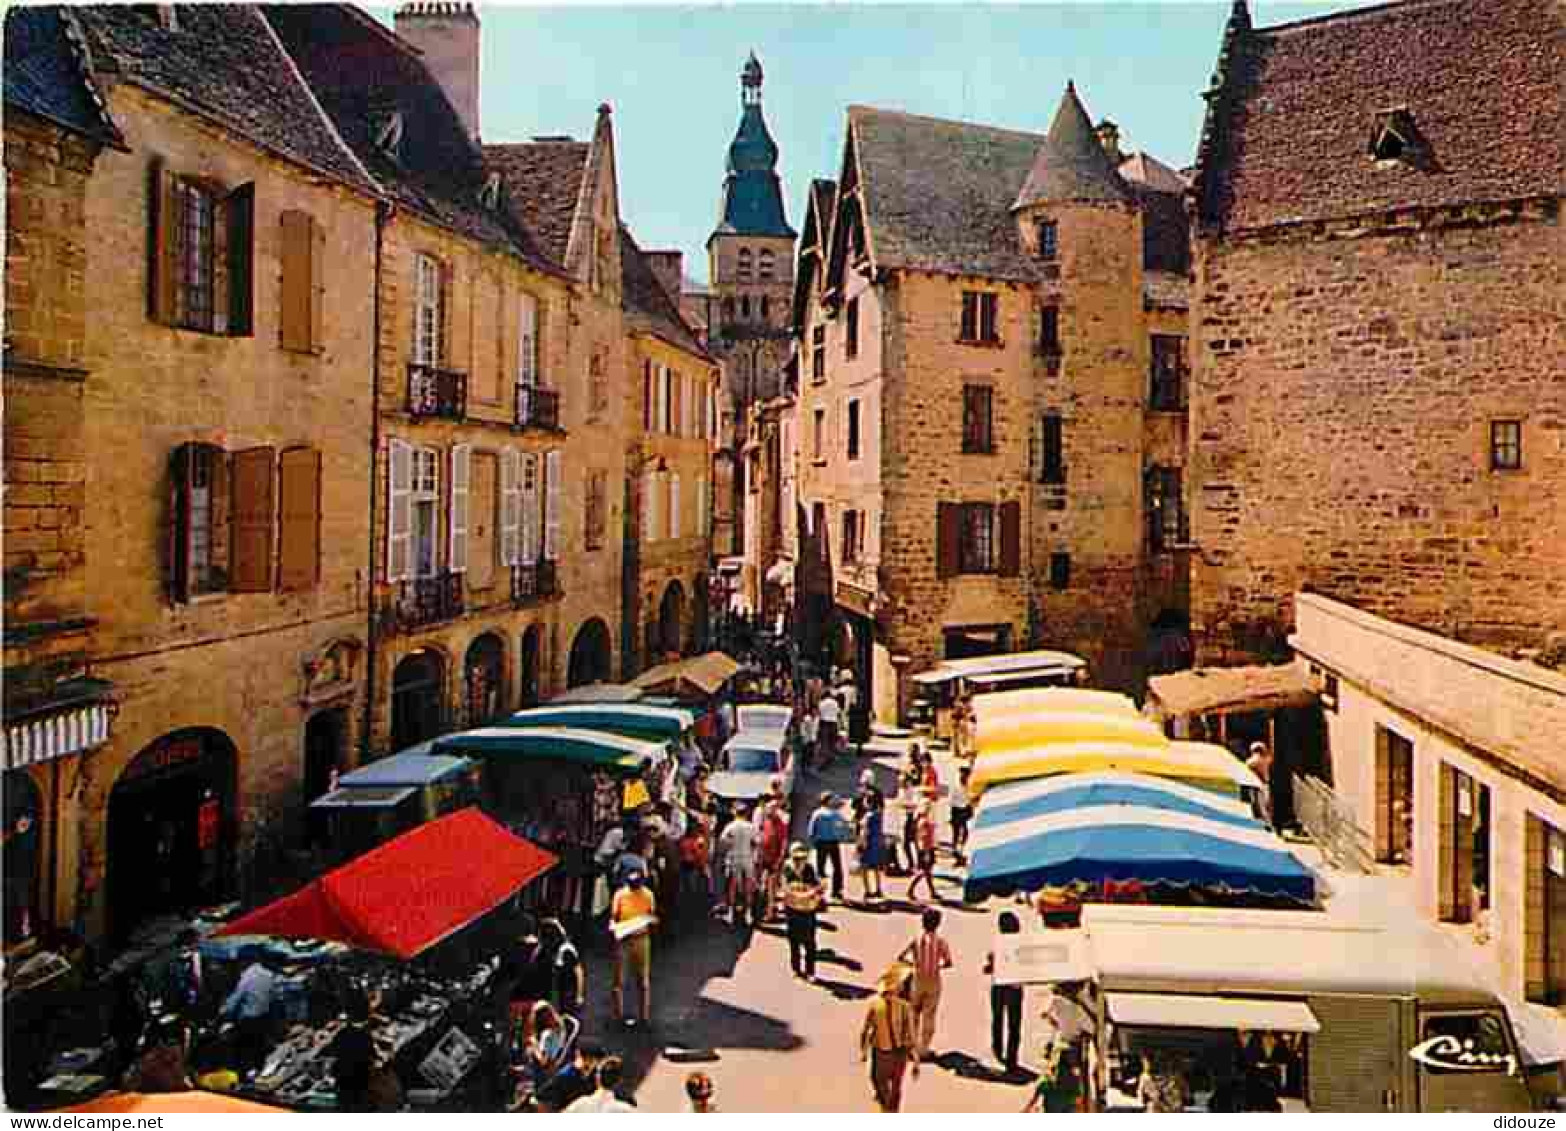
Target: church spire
{"x": 751, "y": 76}
{"x": 752, "y": 193}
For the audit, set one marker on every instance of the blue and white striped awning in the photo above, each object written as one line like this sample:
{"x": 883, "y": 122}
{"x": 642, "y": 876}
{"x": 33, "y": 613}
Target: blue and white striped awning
{"x": 43, "y": 738}
{"x": 1147, "y": 830}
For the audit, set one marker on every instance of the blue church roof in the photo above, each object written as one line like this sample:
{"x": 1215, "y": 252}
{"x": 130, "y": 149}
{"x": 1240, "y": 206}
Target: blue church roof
{"x": 752, "y": 192}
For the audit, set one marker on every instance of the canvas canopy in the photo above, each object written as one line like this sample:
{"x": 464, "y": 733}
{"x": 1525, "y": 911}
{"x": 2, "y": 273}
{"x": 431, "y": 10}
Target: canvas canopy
{"x": 1010, "y": 663}
{"x": 704, "y": 674}
{"x": 560, "y": 744}
{"x": 1201, "y": 1011}
{"x": 1211, "y": 767}
{"x": 633, "y": 720}
{"x": 598, "y": 693}
{"x": 1205, "y": 691}
{"x": 1041, "y": 700}
{"x": 406, "y": 769}
{"x": 172, "y": 1103}
{"x": 1021, "y": 800}
{"x": 410, "y": 893}
{"x": 1009, "y": 732}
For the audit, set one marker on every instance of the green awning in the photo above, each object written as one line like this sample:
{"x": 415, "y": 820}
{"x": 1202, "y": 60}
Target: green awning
{"x": 552, "y": 744}
{"x": 633, "y": 720}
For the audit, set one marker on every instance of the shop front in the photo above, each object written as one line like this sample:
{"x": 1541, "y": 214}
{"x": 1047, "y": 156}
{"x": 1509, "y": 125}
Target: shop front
{"x": 171, "y": 829}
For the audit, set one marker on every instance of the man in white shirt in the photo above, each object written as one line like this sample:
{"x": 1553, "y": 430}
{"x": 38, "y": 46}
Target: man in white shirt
{"x": 831, "y": 713}
{"x": 603, "y": 1100}
{"x": 737, "y": 851}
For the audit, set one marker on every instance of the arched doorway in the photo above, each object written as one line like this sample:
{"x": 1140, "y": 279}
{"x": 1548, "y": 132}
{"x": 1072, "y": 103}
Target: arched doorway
{"x": 418, "y": 698}
{"x": 1169, "y": 647}
{"x": 700, "y": 600}
{"x": 325, "y": 739}
{"x": 171, "y": 829}
{"x": 531, "y": 647}
{"x": 23, "y": 839}
{"x": 485, "y": 672}
{"x": 589, "y": 654}
{"x": 671, "y": 615}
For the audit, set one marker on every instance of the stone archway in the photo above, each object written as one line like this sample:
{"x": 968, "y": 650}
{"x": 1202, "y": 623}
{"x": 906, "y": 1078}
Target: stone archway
{"x": 418, "y": 698}
{"x": 325, "y": 740}
{"x": 671, "y": 618}
{"x": 484, "y": 680}
{"x": 590, "y": 654}
{"x": 171, "y": 828}
{"x": 700, "y": 614}
{"x": 532, "y": 664}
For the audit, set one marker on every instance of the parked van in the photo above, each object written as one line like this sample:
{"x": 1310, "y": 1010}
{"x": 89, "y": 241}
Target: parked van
{"x": 1372, "y": 1020}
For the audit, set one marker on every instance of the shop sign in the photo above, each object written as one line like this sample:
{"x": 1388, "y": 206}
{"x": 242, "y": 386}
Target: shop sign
{"x": 165, "y": 756}
{"x": 209, "y": 822}
{"x": 1452, "y": 1054}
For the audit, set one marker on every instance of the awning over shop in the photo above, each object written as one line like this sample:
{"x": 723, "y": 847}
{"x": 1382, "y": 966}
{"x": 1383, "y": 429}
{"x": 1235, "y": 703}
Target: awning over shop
{"x": 1208, "y": 691}
{"x": 1029, "y": 665}
{"x": 561, "y": 744}
{"x": 634, "y": 720}
{"x": 76, "y": 716}
{"x": 1183, "y": 1011}
{"x": 410, "y": 893}
{"x": 367, "y": 797}
{"x": 1096, "y": 843}
{"x": 706, "y": 674}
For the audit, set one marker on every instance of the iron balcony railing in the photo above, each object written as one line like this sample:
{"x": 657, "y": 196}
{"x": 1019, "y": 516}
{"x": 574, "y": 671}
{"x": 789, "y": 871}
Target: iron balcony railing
{"x": 533, "y": 582}
{"x": 537, "y": 407}
{"x": 436, "y": 392}
{"x": 423, "y": 601}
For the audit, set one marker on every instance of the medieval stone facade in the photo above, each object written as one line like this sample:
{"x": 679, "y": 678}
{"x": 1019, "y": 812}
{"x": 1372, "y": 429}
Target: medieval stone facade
{"x": 980, "y": 411}
{"x": 1377, "y": 397}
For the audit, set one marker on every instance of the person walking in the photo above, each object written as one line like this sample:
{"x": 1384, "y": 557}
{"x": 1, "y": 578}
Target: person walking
{"x": 809, "y": 737}
{"x": 870, "y": 846}
{"x": 831, "y": 716}
{"x": 737, "y": 850}
{"x": 929, "y": 955}
{"x": 828, "y": 829}
{"x": 962, "y": 813}
{"x": 632, "y": 916}
{"x": 567, "y": 975}
{"x": 801, "y": 903}
{"x": 1260, "y": 764}
{"x": 924, "y": 848}
{"x": 888, "y": 1037}
{"x": 1005, "y": 1001}
{"x": 773, "y": 847}
{"x": 249, "y": 1007}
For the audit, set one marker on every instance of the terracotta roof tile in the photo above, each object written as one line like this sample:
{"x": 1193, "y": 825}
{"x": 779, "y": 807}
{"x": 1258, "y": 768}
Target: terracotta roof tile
{"x": 222, "y": 61}
{"x": 1481, "y": 80}
{"x": 543, "y": 179}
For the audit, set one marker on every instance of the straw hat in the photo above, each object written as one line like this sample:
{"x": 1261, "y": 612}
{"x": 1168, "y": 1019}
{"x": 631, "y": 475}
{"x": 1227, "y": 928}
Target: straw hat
{"x": 798, "y": 851}
{"x": 894, "y": 978}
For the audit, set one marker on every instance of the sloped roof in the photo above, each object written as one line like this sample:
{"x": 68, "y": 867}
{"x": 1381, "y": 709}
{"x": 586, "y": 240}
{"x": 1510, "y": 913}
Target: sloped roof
{"x": 44, "y": 74}
{"x": 1146, "y": 170}
{"x": 543, "y": 179}
{"x": 220, "y": 61}
{"x": 648, "y": 306}
{"x": 362, "y": 74}
{"x": 1201, "y": 691}
{"x": 1296, "y": 109}
{"x": 752, "y": 202}
{"x": 1071, "y": 164}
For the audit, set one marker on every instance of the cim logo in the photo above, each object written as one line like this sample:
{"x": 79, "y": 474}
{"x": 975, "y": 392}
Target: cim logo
{"x": 1449, "y": 1054}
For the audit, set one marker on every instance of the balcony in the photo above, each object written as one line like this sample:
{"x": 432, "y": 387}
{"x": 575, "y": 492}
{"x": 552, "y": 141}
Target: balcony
{"x": 530, "y": 583}
{"x": 537, "y": 407}
{"x": 436, "y": 393}
{"x": 423, "y": 601}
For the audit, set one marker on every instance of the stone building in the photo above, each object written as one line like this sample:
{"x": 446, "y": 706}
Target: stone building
{"x": 991, "y": 398}
{"x": 1447, "y": 756}
{"x": 1377, "y": 389}
{"x": 213, "y": 279}
{"x": 745, "y": 306}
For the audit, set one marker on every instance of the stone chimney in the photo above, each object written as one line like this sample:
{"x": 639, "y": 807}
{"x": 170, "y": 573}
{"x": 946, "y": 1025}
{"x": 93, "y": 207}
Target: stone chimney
{"x": 448, "y": 36}
{"x": 1109, "y": 137}
{"x": 669, "y": 266}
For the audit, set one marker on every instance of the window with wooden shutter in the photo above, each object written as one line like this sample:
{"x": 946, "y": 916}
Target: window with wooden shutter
{"x": 399, "y": 510}
{"x": 527, "y": 341}
{"x": 197, "y": 525}
{"x": 162, "y": 238}
{"x": 457, "y": 527}
{"x": 532, "y": 507}
{"x": 429, "y": 310}
{"x": 1010, "y": 564}
{"x": 251, "y": 520}
{"x": 552, "y": 473}
{"x": 299, "y": 508}
{"x": 948, "y": 533}
{"x": 241, "y": 216}
{"x": 647, "y": 396}
{"x": 654, "y": 506}
{"x": 300, "y": 330}
{"x": 510, "y": 507}
{"x": 674, "y": 506}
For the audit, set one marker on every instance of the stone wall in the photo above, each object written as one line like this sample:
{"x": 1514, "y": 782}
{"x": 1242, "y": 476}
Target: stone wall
{"x": 1344, "y": 384}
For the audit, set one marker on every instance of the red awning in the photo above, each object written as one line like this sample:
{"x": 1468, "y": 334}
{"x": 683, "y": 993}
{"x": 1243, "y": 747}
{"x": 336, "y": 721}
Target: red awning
{"x": 410, "y": 893}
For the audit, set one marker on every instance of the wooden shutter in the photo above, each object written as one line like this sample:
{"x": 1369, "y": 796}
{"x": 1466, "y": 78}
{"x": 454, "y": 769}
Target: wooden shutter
{"x": 674, "y": 506}
{"x": 298, "y": 280}
{"x": 299, "y": 510}
{"x": 552, "y": 473}
{"x": 162, "y": 237}
{"x": 399, "y": 510}
{"x": 448, "y": 291}
{"x": 177, "y": 525}
{"x": 241, "y": 209}
{"x": 647, "y": 396}
{"x": 531, "y": 507}
{"x": 253, "y": 510}
{"x": 654, "y": 507}
{"x": 457, "y": 528}
{"x": 220, "y": 519}
{"x": 948, "y": 532}
{"x": 510, "y": 507}
{"x": 1010, "y": 539}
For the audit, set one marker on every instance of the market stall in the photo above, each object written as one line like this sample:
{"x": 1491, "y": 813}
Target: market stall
{"x": 632, "y": 720}
{"x": 1043, "y": 700}
{"x": 697, "y": 679}
{"x": 1195, "y": 763}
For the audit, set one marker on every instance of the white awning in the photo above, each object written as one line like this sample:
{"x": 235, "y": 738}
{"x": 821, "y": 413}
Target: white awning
{"x": 1040, "y": 957}
{"x": 54, "y": 735}
{"x": 1188, "y": 1011}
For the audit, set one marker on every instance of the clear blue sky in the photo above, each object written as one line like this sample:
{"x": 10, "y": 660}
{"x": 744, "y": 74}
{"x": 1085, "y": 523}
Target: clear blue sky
{"x": 672, "y": 76}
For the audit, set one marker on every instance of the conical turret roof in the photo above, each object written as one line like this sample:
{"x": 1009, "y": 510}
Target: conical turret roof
{"x": 1071, "y": 165}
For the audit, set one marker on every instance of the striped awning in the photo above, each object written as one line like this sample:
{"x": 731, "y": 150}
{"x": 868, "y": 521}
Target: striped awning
{"x": 54, "y": 734}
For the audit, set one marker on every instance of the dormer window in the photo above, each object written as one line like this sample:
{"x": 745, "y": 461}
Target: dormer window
{"x": 388, "y": 134}
{"x": 489, "y": 195}
{"x": 1396, "y": 137}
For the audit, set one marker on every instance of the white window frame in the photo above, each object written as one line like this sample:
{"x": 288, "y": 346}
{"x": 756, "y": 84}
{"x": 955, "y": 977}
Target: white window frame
{"x": 674, "y": 505}
{"x": 527, "y": 340}
{"x": 428, "y": 310}
{"x": 457, "y": 522}
{"x": 532, "y": 507}
{"x": 553, "y": 477}
{"x": 424, "y": 487}
{"x": 510, "y": 507}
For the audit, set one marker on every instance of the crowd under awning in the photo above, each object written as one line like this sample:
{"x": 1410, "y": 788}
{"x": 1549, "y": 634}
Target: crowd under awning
{"x": 410, "y": 893}
{"x": 1221, "y": 691}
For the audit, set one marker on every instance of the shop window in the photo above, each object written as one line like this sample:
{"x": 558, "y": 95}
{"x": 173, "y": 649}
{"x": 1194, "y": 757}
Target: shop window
{"x": 1544, "y": 905}
{"x": 1394, "y": 797}
{"x": 1464, "y": 846}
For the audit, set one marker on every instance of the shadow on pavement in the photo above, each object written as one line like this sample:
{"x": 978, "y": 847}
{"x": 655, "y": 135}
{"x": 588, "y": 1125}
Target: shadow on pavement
{"x": 829, "y": 957}
{"x": 970, "y": 1068}
{"x": 843, "y": 991}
